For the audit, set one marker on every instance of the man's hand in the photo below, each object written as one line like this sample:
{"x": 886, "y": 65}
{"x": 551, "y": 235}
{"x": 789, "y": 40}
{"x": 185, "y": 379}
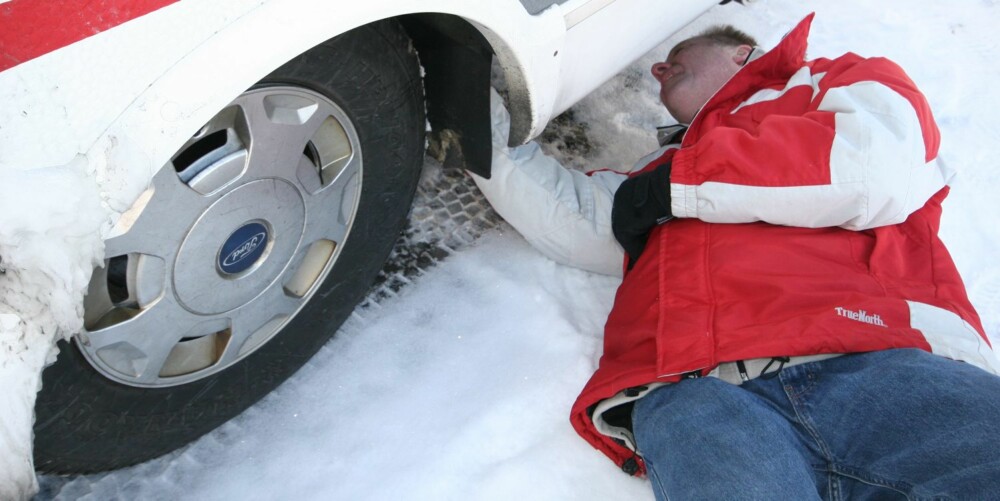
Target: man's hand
{"x": 641, "y": 203}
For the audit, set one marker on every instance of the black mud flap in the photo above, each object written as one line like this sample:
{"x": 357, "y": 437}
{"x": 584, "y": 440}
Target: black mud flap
{"x": 457, "y": 60}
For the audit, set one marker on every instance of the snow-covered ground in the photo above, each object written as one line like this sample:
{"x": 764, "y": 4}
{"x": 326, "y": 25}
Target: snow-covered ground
{"x": 459, "y": 385}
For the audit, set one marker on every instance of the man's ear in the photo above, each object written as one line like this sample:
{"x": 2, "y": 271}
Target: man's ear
{"x": 741, "y": 54}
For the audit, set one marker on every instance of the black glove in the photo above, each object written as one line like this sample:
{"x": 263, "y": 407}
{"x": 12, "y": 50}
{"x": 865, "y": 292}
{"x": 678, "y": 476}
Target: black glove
{"x": 641, "y": 203}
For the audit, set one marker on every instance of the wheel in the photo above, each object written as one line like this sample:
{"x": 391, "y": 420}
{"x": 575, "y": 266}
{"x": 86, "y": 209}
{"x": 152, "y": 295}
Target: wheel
{"x": 250, "y": 249}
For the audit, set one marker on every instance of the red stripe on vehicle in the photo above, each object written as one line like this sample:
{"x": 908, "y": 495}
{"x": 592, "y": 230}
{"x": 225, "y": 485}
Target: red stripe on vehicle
{"x": 32, "y": 28}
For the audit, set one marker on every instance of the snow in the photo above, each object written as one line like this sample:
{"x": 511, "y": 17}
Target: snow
{"x": 21, "y": 381}
{"x": 460, "y": 387}
{"x": 49, "y": 245}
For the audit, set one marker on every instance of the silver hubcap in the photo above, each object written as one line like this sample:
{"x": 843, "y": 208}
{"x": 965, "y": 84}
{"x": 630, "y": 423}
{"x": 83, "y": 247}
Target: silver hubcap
{"x": 230, "y": 241}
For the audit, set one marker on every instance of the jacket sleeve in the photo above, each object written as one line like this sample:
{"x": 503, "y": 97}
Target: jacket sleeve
{"x": 563, "y": 213}
{"x": 860, "y": 155}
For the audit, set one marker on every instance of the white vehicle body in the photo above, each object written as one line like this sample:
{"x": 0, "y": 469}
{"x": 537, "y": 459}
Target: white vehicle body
{"x": 102, "y": 94}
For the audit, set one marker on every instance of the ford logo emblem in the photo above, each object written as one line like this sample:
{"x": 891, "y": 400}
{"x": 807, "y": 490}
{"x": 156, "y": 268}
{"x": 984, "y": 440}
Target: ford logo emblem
{"x": 243, "y": 248}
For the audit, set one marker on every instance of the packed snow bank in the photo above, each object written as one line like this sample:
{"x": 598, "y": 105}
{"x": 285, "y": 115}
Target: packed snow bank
{"x": 50, "y": 220}
{"x": 20, "y": 375}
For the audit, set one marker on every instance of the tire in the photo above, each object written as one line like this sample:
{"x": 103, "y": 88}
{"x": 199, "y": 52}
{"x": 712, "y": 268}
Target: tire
{"x": 109, "y": 407}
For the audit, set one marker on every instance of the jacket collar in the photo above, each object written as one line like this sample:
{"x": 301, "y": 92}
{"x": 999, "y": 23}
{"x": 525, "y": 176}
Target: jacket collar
{"x": 778, "y": 63}
{"x": 670, "y": 134}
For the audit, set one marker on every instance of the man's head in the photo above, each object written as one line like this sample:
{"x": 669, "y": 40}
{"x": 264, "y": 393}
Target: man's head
{"x": 697, "y": 67}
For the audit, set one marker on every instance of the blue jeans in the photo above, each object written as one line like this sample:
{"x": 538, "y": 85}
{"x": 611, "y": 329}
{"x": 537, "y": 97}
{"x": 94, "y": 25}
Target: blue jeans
{"x": 884, "y": 425}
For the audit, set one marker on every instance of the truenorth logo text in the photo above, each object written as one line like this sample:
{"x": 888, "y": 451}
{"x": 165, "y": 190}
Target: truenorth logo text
{"x": 861, "y": 316}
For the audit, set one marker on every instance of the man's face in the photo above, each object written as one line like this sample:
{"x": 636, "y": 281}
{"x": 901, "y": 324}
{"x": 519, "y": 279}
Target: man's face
{"x": 694, "y": 70}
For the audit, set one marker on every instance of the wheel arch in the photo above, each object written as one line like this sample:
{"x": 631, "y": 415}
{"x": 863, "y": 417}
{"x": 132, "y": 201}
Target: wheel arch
{"x": 173, "y": 107}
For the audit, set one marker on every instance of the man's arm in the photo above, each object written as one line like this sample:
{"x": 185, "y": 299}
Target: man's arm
{"x": 862, "y": 157}
{"x": 563, "y": 213}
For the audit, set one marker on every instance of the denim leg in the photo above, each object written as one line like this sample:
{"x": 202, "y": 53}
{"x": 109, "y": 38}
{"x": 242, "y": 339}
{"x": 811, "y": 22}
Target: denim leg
{"x": 707, "y": 439}
{"x": 902, "y": 423}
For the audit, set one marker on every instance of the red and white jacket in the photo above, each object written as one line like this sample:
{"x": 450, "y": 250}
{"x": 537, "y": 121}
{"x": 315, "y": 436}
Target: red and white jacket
{"x": 807, "y": 201}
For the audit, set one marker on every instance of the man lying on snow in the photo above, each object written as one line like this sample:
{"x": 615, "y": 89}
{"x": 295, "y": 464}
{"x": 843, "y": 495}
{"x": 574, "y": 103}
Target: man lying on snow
{"x": 789, "y": 325}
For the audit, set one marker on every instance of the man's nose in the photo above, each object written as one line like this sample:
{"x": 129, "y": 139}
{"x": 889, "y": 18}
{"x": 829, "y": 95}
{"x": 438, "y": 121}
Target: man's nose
{"x": 659, "y": 69}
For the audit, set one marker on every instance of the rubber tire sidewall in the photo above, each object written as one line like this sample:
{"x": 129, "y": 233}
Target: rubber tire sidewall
{"x": 87, "y": 423}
